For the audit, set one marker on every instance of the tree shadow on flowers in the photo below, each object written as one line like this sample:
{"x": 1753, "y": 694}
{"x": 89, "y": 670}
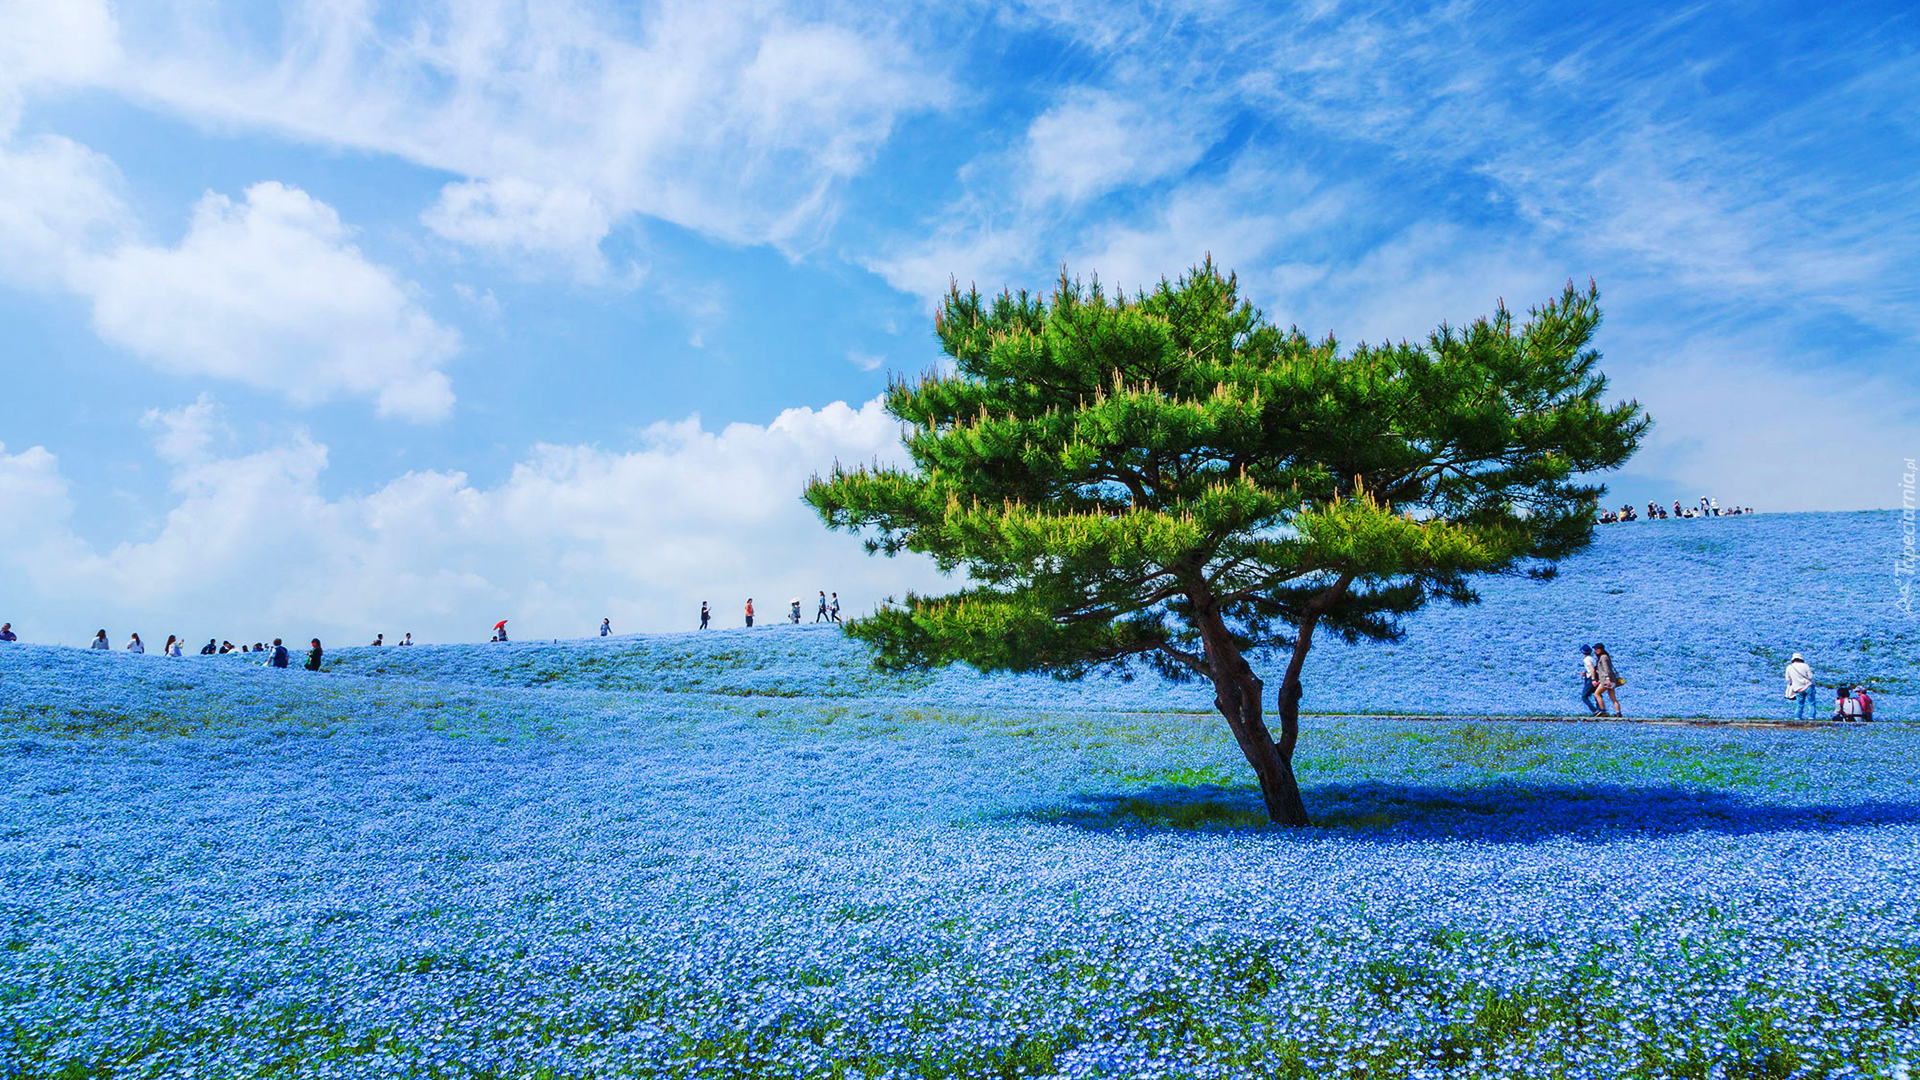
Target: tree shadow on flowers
{"x": 1496, "y": 812}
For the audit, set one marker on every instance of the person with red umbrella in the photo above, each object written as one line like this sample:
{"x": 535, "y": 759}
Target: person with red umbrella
{"x": 500, "y": 630}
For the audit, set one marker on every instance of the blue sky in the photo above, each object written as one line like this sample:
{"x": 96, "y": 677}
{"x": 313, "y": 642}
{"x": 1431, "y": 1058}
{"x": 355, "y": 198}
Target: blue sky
{"x": 336, "y": 317}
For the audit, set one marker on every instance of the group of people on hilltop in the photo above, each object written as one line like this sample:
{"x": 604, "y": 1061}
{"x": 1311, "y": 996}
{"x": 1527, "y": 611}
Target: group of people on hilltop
{"x": 827, "y": 610}
{"x": 1709, "y": 507}
{"x": 176, "y": 645}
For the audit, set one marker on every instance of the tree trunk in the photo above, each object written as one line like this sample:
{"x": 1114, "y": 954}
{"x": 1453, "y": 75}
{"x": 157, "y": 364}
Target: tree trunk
{"x": 1290, "y": 688}
{"x": 1237, "y": 693}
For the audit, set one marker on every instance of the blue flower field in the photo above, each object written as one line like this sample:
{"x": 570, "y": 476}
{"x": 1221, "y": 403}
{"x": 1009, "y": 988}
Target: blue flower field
{"x": 746, "y": 854}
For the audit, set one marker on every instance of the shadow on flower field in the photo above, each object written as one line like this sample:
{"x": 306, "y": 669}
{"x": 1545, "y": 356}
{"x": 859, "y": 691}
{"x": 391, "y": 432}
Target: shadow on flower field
{"x": 1517, "y": 812}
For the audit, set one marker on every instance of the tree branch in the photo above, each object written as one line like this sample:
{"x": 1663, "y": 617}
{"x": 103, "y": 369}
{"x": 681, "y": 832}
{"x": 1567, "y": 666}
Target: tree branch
{"x": 1192, "y": 660}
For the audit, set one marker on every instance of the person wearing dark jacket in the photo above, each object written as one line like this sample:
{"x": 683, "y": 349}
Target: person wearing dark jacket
{"x": 209, "y": 648}
{"x": 313, "y": 656}
{"x": 6, "y": 632}
{"x": 280, "y": 654}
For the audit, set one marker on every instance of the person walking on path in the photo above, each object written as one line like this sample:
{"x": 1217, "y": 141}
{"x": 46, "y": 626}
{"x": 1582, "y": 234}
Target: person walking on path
{"x": 706, "y": 614}
{"x": 6, "y": 632}
{"x": 833, "y": 607}
{"x": 1589, "y": 681}
{"x": 606, "y": 626}
{"x": 100, "y": 641}
{"x": 820, "y": 613}
{"x": 749, "y": 612}
{"x": 313, "y": 656}
{"x": 135, "y": 647}
{"x": 1608, "y": 680}
{"x": 1800, "y": 686}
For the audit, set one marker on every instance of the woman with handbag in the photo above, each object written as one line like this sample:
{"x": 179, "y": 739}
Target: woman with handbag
{"x": 1609, "y": 678}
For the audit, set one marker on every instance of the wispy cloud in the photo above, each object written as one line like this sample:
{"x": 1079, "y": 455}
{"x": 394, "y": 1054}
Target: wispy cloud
{"x": 733, "y": 119}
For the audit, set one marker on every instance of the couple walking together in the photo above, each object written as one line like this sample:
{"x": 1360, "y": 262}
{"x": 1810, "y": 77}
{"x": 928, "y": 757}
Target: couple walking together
{"x": 1600, "y": 680}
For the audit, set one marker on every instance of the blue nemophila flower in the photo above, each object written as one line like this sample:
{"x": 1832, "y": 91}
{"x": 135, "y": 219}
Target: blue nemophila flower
{"x": 746, "y": 856}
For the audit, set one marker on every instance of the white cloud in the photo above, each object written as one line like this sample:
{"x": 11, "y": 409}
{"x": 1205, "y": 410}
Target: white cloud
{"x": 271, "y": 292}
{"x": 187, "y": 433}
{"x": 1031, "y": 207}
{"x": 52, "y": 42}
{"x": 1739, "y": 422}
{"x": 32, "y": 493}
{"x": 58, "y": 201}
{"x": 1095, "y": 141}
{"x": 1407, "y": 286}
{"x": 512, "y": 217}
{"x": 254, "y": 548}
{"x": 732, "y": 118}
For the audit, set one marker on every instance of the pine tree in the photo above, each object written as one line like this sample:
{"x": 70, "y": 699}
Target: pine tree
{"x": 1169, "y": 480}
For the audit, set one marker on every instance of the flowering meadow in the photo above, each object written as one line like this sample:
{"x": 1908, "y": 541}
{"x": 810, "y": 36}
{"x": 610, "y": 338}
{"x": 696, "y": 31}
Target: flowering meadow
{"x": 1700, "y": 615}
{"x": 745, "y": 854}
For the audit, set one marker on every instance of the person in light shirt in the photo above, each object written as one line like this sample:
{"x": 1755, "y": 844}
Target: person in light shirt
{"x": 1800, "y": 686}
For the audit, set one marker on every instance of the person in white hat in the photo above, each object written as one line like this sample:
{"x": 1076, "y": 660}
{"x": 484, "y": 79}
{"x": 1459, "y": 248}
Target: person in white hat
{"x": 1800, "y": 686}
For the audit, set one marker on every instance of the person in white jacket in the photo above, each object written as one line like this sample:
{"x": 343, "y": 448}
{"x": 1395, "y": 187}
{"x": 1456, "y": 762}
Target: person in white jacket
{"x": 134, "y": 646}
{"x": 1800, "y": 686}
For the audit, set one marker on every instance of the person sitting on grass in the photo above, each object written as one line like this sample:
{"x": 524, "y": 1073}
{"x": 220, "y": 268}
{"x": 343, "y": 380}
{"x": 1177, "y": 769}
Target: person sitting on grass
{"x": 1866, "y": 702}
{"x": 1844, "y": 706}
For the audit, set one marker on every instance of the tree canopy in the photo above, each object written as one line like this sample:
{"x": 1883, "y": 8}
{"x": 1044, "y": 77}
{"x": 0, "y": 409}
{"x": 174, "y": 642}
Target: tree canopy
{"x": 1168, "y": 479}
